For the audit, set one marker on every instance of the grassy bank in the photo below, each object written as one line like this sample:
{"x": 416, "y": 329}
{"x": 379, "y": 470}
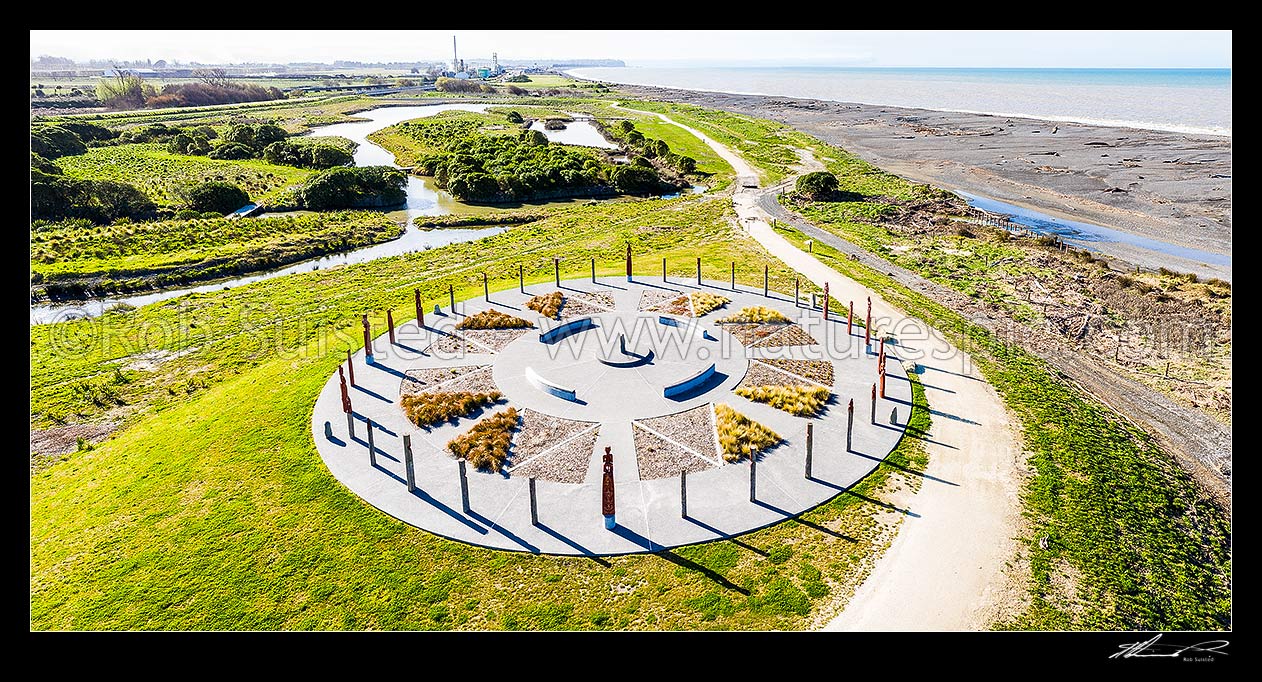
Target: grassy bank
{"x": 161, "y": 175}
{"x": 69, "y": 260}
{"x": 1130, "y": 541}
{"x": 211, "y": 509}
{"x": 294, "y": 116}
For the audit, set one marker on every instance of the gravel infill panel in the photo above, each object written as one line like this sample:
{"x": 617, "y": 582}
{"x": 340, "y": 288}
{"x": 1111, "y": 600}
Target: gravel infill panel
{"x": 750, "y": 333}
{"x": 820, "y": 371}
{"x": 573, "y": 307}
{"x": 539, "y": 431}
{"x": 452, "y": 343}
{"x": 693, "y": 428}
{"x": 788, "y": 335}
{"x": 675, "y": 306}
{"x": 566, "y": 464}
{"x": 599, "y": 298}
{"x": 480, "y": 381}
{"x": 495, "y": 339}
{"x": 419, "y": 379}
{"x": 658, "y": 458}
{"x": 649, "y": 300}
{"x": 762, "y": 375}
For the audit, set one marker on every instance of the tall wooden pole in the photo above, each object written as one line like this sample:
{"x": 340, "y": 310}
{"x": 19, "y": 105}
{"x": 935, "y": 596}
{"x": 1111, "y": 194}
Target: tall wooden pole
{"x": 486, "y": 288}
{"x": 628, "y": 261}
{"x": 849, "y": 424}
{"x": 825, "y": 301}
{"x": 850, "y": 319}
{"x": 733, "y": 275}
{"x": 867, "y": 328}
{"x": 764, "y": 281}
{"x": 407, "y": 462}
{"x": 390, "y": 324}
{"x": 420, "y": 309}
{"x": 521, "y": 278}
{"x": 350, "y": 366}
{"x": 451, "y": 297}
{"x": 698, "y": 271}
{"x": 367, "y": 340}
{"x": 556, "y": 271}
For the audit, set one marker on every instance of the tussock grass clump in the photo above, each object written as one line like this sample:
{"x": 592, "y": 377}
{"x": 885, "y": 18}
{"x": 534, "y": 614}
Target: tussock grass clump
{"x": 548, "y": 305}
{"x": 756, "y": 313}
{"x": 704, "y": 301}
{"x": 493, "y": 319}
{"x": 486, "y": 445}
{"x": 797, "y": 400}
{"x": 741, "y": 437}
{"x": 427, "y": 409}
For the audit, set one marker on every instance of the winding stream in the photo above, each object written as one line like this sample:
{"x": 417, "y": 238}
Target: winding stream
{"x": 423, "y": 199}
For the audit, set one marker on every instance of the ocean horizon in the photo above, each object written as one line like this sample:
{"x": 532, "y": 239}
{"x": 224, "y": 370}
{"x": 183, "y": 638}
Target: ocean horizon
{"x": 1192, "y": 101}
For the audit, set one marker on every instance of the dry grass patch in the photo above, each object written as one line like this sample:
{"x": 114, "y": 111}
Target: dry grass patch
{"x": 548, "y": 305}
{"x": 800, "y": 401}
{"x": 493, "y": 319}
{"x": 756, "y": 313}
{"x": 486, "y": 445}
{"x": 427, "y": 409}
{"x": 704, "y": 302}
{"x": 741, "y": 437}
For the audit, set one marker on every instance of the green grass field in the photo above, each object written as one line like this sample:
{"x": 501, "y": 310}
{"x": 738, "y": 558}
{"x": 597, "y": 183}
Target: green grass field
{"x": 161, "y": 174}
{"x": 236, "y": 524}
{"x": 295, "y": 116}
{"x": 137, "y": 256}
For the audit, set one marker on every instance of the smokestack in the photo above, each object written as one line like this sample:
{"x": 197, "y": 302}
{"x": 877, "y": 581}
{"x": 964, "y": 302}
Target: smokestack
{"x": 455, "y": 62}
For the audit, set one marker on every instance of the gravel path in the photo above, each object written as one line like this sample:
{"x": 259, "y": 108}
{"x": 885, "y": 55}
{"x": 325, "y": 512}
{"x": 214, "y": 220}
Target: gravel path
{"x": 420, "y": 379}
{"x": 566, "y": 464}
{"x": 540, "y": 431}
{"x": 658, "y": 458}
{"x": 819, "y": 371}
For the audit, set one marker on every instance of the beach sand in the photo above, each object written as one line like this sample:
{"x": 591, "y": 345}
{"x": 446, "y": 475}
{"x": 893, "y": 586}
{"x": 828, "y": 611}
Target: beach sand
{"x": 1175, "y": 187}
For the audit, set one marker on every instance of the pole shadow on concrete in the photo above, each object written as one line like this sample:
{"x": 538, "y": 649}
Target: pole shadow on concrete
{"x": 635, "y": 537}
{"x": 375, "y": 425}
{"x": 372, "y": 393}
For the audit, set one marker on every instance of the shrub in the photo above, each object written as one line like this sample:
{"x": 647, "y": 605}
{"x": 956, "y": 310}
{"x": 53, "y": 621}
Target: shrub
{"x": 307, "y": 155}
{"x": 548, "y": 305}
{"x": 514, "y": 117}
{"x": 741, "y": 437}
{"x": 154, "y": 132}
{"x": 216, "y": 196}
{"x": 53, "y": 141}
{"x": 634, "y": 180}
{"x": 43, "y": 165}
{"x": 704, "y": 301}
{"x": 256, "y": 136}
{"x": 493, "y": 319}
{"x": 367, "y": 187}
{"x": 88, "y": 132}
{"x": 756, "y": 313}
{"x": 189, "y": 143}
{"x": 514, "y": 90}
{"x": 457, "y": 85}
{"x": 232, "y": 151}
{"x": 427, "y": 409}
{"x": 534, "y": 138}
{"x": 100, "y": 201}
{"x": 818, "y": 186}
{"x": 797, "y": 400}
{"x": 486, "y": 445}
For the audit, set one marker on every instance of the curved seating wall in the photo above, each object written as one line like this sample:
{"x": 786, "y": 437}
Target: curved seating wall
{"x": 572, "y": 327}
{"x": 550, "y": 388}
{"x": 690, "y": 383}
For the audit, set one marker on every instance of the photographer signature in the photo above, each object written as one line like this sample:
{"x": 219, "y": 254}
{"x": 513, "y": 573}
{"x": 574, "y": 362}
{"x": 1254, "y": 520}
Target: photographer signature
{"x": 1153, "y": 649}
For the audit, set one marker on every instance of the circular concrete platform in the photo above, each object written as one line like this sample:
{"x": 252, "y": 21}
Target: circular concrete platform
{"x": 613, "y": 406}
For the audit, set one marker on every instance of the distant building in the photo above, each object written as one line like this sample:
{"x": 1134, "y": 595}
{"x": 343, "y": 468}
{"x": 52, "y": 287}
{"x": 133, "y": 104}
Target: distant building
{"x": 143, "y": 73}
{"x": 484, "y": 72}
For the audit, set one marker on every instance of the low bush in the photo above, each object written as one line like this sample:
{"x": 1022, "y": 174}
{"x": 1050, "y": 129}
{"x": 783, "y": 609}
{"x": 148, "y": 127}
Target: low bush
{"x": 800, "y": 401}
{"x": 217, "y": 197}
{"x": 741, "y": 437}
{"x": 704, "y": 302}
{"x": 756, "y": 313}
{"x": 493, "y": 319}
{"x": 548, "y": 305}
{"x": 53, "y": 141}
{"x": 427, "y": 409}
{"x": 367, "y": 187}
{"x": 486, "y": 445}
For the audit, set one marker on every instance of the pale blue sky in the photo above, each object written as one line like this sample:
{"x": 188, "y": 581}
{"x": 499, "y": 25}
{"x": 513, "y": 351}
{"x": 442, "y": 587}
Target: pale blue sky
{"x": 1117, "y": 49}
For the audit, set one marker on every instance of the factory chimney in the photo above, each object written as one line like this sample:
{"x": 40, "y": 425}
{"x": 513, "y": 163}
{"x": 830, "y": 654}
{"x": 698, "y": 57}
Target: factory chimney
{"x": 455, "y": 62}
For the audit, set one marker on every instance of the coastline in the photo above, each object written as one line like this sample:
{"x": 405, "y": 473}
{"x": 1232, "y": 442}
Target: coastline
{"x": 1167, "y": 186}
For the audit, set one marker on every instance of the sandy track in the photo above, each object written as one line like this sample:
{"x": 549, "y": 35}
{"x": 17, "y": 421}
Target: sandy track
{"x": 944, "y": 570}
